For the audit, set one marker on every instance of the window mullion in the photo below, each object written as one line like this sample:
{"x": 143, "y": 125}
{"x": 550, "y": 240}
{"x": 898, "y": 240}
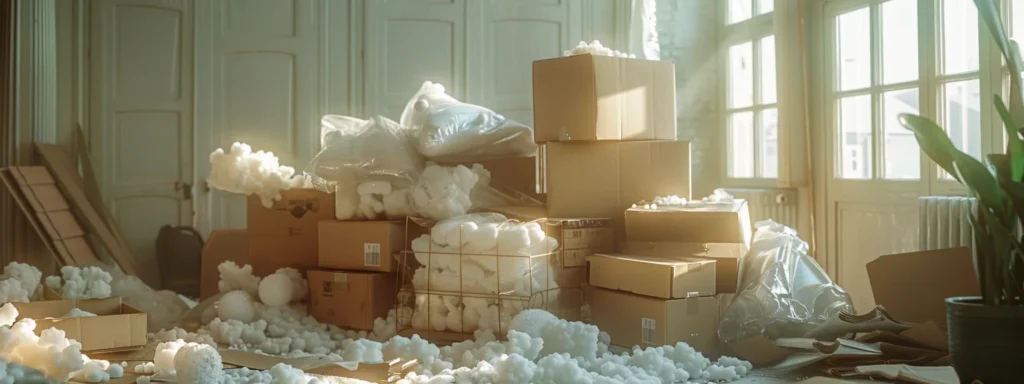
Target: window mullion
{"x": 928, "y": 44}
{"x": 877, "y": 143}
{"x": 756, "y": 65}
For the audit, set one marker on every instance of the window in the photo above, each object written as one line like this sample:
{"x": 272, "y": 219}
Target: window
{"x": 751, "y": 111}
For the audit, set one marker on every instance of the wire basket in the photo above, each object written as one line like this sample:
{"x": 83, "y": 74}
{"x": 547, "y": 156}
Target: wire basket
{"x": 451, "y": 287}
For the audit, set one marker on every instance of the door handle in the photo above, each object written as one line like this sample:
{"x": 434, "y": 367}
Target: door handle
{"x": 185, "y": 189}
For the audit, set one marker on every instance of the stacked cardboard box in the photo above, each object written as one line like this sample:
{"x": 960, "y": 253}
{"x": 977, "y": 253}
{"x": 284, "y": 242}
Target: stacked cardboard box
{"x": 678, "y": 265}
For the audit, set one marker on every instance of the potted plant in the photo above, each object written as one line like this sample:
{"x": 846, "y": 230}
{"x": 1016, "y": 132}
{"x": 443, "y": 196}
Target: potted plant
{"x": 986, "y": 334}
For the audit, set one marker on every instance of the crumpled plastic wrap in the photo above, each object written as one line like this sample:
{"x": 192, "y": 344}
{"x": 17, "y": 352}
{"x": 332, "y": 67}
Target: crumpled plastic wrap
{"x": 452, "y": 131}
{"x": 783, "y": 291}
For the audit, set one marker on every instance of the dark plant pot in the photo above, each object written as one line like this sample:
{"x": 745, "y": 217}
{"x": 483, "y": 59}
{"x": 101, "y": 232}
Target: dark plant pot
{"x": 986, "y": 341}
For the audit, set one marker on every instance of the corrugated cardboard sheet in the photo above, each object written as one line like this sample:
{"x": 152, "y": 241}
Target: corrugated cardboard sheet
{"x": 653, "y": 276}
{"x": 603, "y": 179}
{"x": 587, "y": 98}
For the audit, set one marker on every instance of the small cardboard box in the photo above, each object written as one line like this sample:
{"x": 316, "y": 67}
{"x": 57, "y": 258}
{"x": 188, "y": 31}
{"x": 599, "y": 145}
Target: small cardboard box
{"x": 588, "y": 98}
{"x": 116, "y": 326}
{"x": 603, "y": 179}
{"x": 285, "y": 235}
{"x": 646, "y": 321}
{"x": 653, "y": 276}
{"x": 707, "y": 223}
{"x": 351, "y": 299}
{"x": 359, "y": 245}
{"x": 222, "y": 245}
{"x": 913, "y": 287}
{"x": 727, "y": 257}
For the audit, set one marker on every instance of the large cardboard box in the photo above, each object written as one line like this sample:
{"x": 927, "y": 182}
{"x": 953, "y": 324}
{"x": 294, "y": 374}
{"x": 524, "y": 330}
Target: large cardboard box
{"x": 285, "y": 235}
{"x": 351, "y": 299}
{"x": 360, "y": 245}
{"x": 647, "y": 321}
{"x": 727, "y": 257}
{"x": 603, "y": 179}
{"x": 653, "y": 276}
{"x": 222, "y": 245}
{"x": 710, "y": 223}
{"x": 587, "y": 98}
{"x": 116, "y": 326}
{"x": 913, "y": 287}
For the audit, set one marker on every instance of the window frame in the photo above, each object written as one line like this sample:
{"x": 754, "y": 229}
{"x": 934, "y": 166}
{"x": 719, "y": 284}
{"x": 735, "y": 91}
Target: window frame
{"x": 751, "y": 30}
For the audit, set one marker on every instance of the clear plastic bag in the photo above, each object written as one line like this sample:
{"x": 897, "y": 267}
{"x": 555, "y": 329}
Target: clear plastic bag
{"x": 379, "y": 150}
{"x": 783, "y": 292}
{"x": 452, "y": 131}
{"x": 333, "y": 127}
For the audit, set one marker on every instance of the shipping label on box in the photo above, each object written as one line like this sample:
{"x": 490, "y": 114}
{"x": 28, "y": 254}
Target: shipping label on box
{"x": 285, "y": 235}
{"x": 653, "y": 276}
{"x": 351, "y": 299}
{"x": 588, "y": 98}
{"x": 603, "y": 179}
{"x": 359, "y": 245}
{"x": 634, "y": 320}
{"x": 704, "y": 223}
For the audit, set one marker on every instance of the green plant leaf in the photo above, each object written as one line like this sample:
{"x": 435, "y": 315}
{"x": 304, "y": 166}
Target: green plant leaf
{"x": 988, "y": 10}
{"x": 1014, "y": 144}
{"x": 933, "y": 141}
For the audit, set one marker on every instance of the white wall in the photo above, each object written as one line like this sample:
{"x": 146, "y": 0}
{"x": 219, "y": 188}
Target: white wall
{"x": 169, "y": 81}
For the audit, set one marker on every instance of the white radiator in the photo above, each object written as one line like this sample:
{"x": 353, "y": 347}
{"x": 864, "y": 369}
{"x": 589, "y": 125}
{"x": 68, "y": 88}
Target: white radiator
{"x": 779, "y": 205}
{"x": 944, "y": 222}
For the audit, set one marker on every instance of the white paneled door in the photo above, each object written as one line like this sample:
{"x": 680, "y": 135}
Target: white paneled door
{"x": 258, "y": 81}
{"x": 141, "y": 121}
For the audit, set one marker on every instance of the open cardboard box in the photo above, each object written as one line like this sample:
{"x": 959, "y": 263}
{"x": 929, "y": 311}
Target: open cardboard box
{"x": 116, "y": 326}
{"x": 913, "y": 286}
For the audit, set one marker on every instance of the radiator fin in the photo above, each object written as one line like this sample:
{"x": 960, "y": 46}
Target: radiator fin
{"x": 945, "y": 222}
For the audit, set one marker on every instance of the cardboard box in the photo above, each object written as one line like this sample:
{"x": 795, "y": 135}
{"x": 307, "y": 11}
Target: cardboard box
{"x": 646, "y": 321}
{"x": 222, "y": 245}
{"x": 285, "y": 235}
{"x": 727, "y": 257}
{"x": 116, "y": 326}
{"x": 708, "y": 223}
{"x": 587, "y": 98}
{"x": 579, "y": 238}
{"x": 604, "y": 179}
{"x": 913, "y": 287}
{"x": 653, "y": 276}
{"x": 360, "y": 245}
{"x": 351, "y": 299}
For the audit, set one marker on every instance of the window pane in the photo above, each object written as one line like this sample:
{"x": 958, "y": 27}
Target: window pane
{"x": 765, "y": 6}
{"x": 1017, "y": 21}
{"x": 739, "y": 10}
{"x": 962, "y": 102}
{"x": 741, "y": 144}
{"x": 768, "y": 164}
{"x": 899, "y": 47}
{"x": 959, "y": 36}
{"x": 855, "y": 137}
{"x": 902, "y": 155}
{"x": 741, "y": 75}
{"x": 854, "y": 49}
{"x": 768, "y": 70}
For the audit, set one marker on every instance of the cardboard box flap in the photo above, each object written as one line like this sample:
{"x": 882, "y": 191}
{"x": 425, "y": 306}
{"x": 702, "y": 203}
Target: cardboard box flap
{"x": 913, "y": 287}
{"x": 377, "y": 373}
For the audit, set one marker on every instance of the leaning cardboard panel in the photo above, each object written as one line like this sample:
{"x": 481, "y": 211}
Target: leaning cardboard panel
{"x": 913, "y": 287}
{"x": 115, "y": 326}
{"x": 588, "y": 98}
{"x": 285, "y": 235}
{"x": 603, "y": 179}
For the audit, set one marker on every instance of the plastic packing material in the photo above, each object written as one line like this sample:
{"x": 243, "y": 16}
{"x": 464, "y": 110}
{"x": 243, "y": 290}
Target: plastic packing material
{"x": 379, "y": 150}
{"x": 448, "y": 130}
{"x": 595, "y": 48}
{"x": 783, "y": 291}
{"x": 240, "y": 170}
{"x": 475, "y": 272}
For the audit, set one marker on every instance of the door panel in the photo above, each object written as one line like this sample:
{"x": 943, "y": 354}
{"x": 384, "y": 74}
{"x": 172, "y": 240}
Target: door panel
{"x": 141, "y": 125}
{"x": 259, "y": 83}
